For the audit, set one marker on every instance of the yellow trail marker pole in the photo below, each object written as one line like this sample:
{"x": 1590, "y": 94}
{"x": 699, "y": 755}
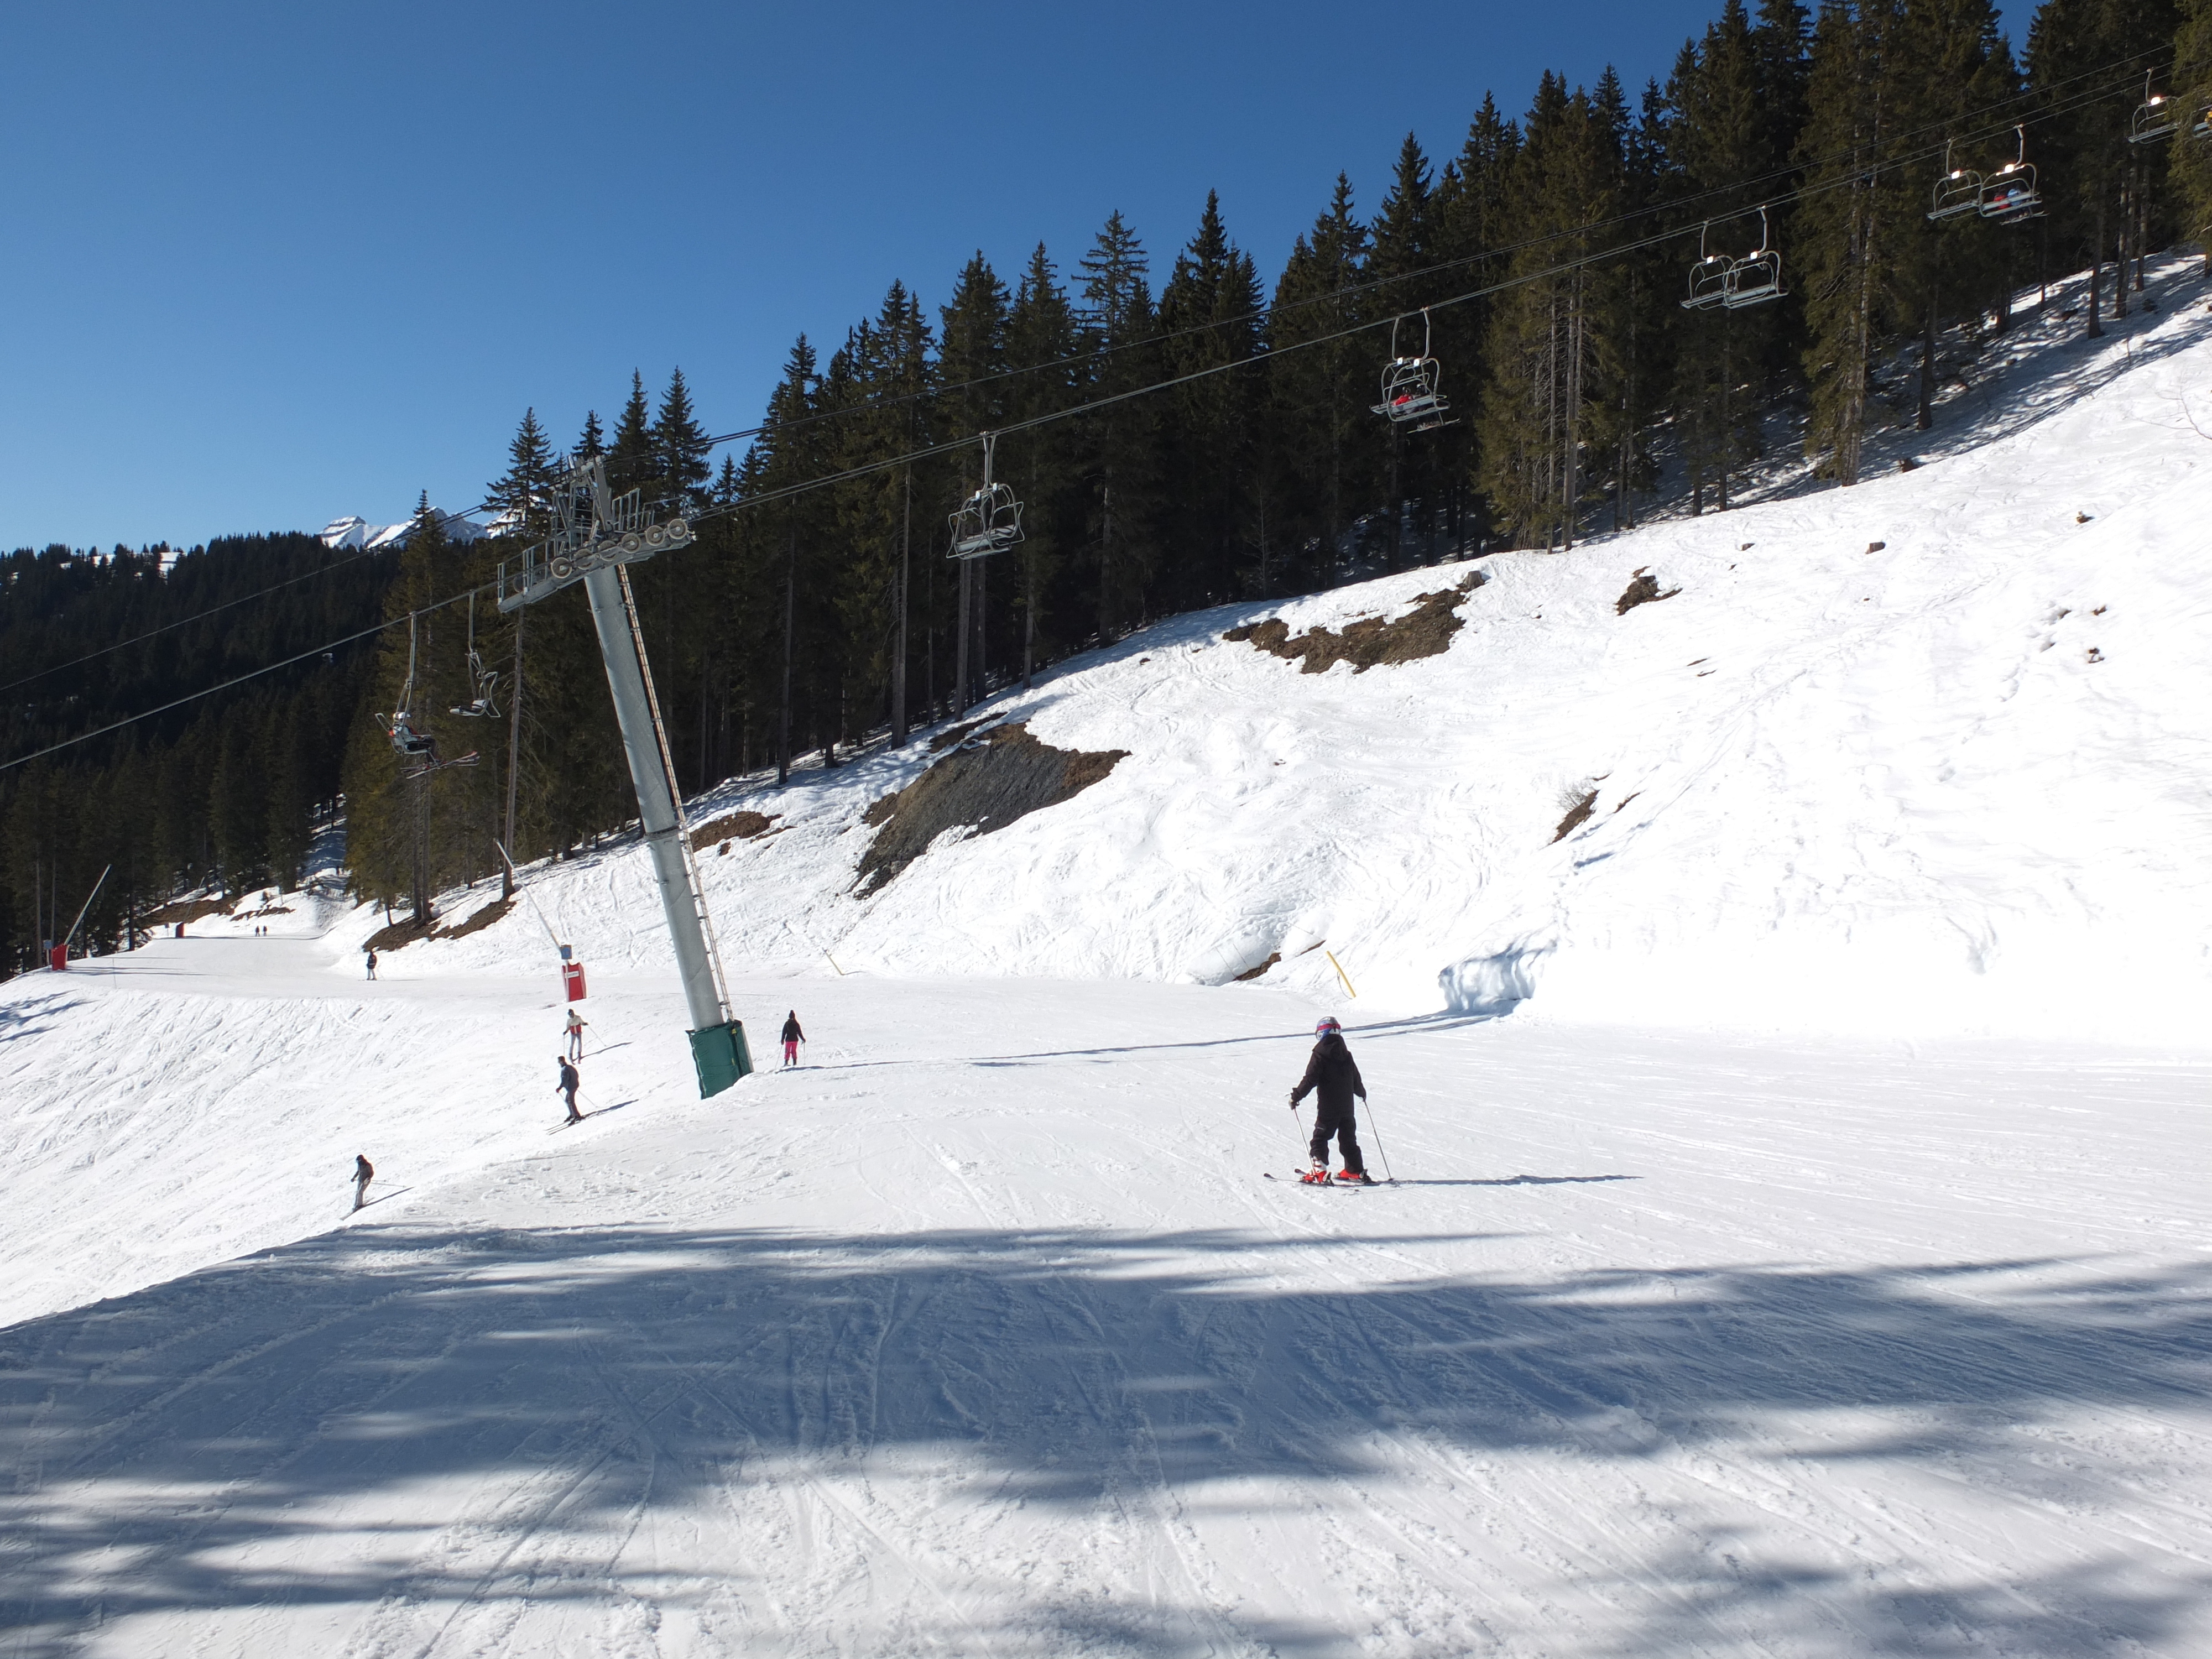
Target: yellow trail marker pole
{"x": 1339, "y": 966}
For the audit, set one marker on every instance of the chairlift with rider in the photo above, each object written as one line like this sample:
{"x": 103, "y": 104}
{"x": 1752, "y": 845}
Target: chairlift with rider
{"x": 1412, "y": 393}
{"x": 2009, "y": 195}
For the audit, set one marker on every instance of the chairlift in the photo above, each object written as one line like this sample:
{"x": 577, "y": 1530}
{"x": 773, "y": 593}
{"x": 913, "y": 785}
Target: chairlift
{"x": 2009, "y": 195}
{"x": 409, "y": 743}
{"x": 990, "y": 521}
{"x": 1959, "y": 190}
{"x": 484, "y": 681}
{"x": 1411, "y": 394}
{"x": 1757, "y": 278}
{"x": 2200, "y": 125}
{"x": 2157, "y": 117}
{"x": 1709, "y": 277}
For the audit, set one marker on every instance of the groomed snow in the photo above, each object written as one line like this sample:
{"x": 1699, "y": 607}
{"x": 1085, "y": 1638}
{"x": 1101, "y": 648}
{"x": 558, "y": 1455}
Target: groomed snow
{"x": 1799, "y": 1245}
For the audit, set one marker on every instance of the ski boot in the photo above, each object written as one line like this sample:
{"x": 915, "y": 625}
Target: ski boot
{"x": 1355, "y": 1178}
{"x": 1317, "y": 1176}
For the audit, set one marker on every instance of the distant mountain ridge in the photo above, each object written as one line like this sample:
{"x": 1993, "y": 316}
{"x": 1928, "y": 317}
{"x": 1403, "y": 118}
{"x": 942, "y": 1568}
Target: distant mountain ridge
{"x": 353, "y": 530}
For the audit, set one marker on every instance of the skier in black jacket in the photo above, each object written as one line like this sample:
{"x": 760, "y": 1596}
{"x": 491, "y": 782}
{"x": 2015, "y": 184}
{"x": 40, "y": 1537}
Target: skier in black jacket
{"x": 1333, "y": 1079}
{"x": 569, "y": 1083}
{"x": 792, "y": 1036}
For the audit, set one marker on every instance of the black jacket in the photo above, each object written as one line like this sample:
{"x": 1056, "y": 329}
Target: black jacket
{"x": 1331, "y": 1076}
{"x": 791, "y": 1031}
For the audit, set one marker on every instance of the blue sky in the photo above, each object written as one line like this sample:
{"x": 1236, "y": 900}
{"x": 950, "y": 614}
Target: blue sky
{"x": 271, "y": 264}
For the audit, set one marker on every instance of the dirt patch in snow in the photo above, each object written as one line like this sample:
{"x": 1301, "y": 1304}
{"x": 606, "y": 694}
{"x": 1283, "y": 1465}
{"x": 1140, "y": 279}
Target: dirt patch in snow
{"x": 399, "y": 934}
{"x": 476, "y": 923}
{"x": 1424, "y": 631}
{"x": 1644, "y": 590}
{"x": 732, "y": 826}
{"x": 1004, "y": 775}
{"x": 1577, "y": 815}
{"x": 185, "y": 910}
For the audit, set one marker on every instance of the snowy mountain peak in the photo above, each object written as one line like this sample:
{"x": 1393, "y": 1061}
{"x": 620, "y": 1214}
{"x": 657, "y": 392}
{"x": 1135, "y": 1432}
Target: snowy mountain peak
{"x": 353, "y": 530}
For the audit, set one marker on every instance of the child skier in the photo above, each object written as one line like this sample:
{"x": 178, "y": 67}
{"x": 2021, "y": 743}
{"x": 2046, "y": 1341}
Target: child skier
{"x": 363, "y": 1173}
{"x": 569, "y": 1083}
{"x": 577, "y": 1023}
{"x": 792, "y": 1036}
{"x": 1333, "y": 1077}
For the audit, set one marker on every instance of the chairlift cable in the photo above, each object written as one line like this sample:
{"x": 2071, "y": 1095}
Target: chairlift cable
{"x": 930, "y": 451}
{"x": 1264, "y": 312}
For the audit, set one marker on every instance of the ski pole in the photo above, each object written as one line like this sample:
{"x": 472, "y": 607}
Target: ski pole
{"x": 1377, "y": 1132}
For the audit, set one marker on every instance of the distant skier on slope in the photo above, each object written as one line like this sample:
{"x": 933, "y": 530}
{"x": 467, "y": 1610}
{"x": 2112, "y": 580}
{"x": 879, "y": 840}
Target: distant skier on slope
{"x": 577, "y": 1023}
{"x": 372, "y": 964}
{"x": 1333, "y": 1079}
{"x": 792, "y": 1036}
{"x": 569, "y": 1083}
{"x": 363, "y": 1173}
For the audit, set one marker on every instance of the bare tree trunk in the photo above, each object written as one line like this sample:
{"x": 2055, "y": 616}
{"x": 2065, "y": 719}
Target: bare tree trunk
{"x": 898, "y": 658}
{"x": 960, "y": 650}
{"x": 1926, "y": 417}
{"x": 2096, "y": 329}
{"x": 514, "y": 755}
{"x": 783, "y": 722}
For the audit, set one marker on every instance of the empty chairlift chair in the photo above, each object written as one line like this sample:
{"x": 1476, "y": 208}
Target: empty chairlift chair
{"x": 990, "y": 521}
{"x": 1709, "y": 277}
{"x": 1411, "y": 386}
{"x": 1958, "y": 191}
{"x": 2157, "y": 117}
{"x": 1757, "y": 278}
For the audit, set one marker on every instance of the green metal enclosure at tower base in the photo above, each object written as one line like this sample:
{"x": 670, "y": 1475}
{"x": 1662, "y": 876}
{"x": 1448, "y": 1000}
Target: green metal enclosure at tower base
{"x": 721, "y": 1057}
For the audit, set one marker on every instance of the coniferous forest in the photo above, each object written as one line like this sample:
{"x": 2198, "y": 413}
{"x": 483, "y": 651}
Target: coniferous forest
{"x": 1542, "y": 263}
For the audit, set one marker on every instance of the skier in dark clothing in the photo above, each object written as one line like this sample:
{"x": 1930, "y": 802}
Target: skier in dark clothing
{"x": 372, "y": 964}
{"x": 363, "y": 1173}
{"x": 1333, "y": 1079}
{"x": 569, "y": 1083}
{"x": 792, "y": 1036}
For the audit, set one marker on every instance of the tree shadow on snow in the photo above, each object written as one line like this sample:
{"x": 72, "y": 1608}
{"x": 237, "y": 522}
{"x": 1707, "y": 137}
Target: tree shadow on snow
{"x": 1067, "y": 1369}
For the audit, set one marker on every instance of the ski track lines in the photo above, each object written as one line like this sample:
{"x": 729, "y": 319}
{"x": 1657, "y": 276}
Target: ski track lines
{"x": 1011, "y": 1351}
{"x": 981, "y": 1333}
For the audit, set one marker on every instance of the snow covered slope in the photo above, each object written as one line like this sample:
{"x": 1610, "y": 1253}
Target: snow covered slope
{"x": 1933, "y": 754}
{"x": 985, "y": 1333}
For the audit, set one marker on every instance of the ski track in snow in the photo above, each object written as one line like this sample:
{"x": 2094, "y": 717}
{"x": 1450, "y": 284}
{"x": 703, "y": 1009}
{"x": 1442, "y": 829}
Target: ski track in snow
{"x": 1814, "y": 1264}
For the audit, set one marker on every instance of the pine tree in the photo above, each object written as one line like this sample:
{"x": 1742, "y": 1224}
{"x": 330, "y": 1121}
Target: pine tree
{"x": 679, "y": 448}
{"x": 1722, "y": 145}
{"x": 1847, "y": 231}
{"x": 1042, "y": 344}
{"x": 2193, "y": 156}
{"x": 1208, "y": 319}
{"x": 631, "y": 457}
{"x": 1118, "y": 445}
{"x": 1327, "y": 450}
{"x": 519, "y": 494}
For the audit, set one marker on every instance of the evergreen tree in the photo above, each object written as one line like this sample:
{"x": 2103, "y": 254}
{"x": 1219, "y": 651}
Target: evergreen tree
{"x": 2192, "y": 157}
{"x": 679, "y": 446}
{"x": 630, "y": 458}
{"x": 1327, "y": 448}
{"x": 1119, "y": 451}
{"x": 1208, "y": 319}
{"x": 518, "y": 495}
